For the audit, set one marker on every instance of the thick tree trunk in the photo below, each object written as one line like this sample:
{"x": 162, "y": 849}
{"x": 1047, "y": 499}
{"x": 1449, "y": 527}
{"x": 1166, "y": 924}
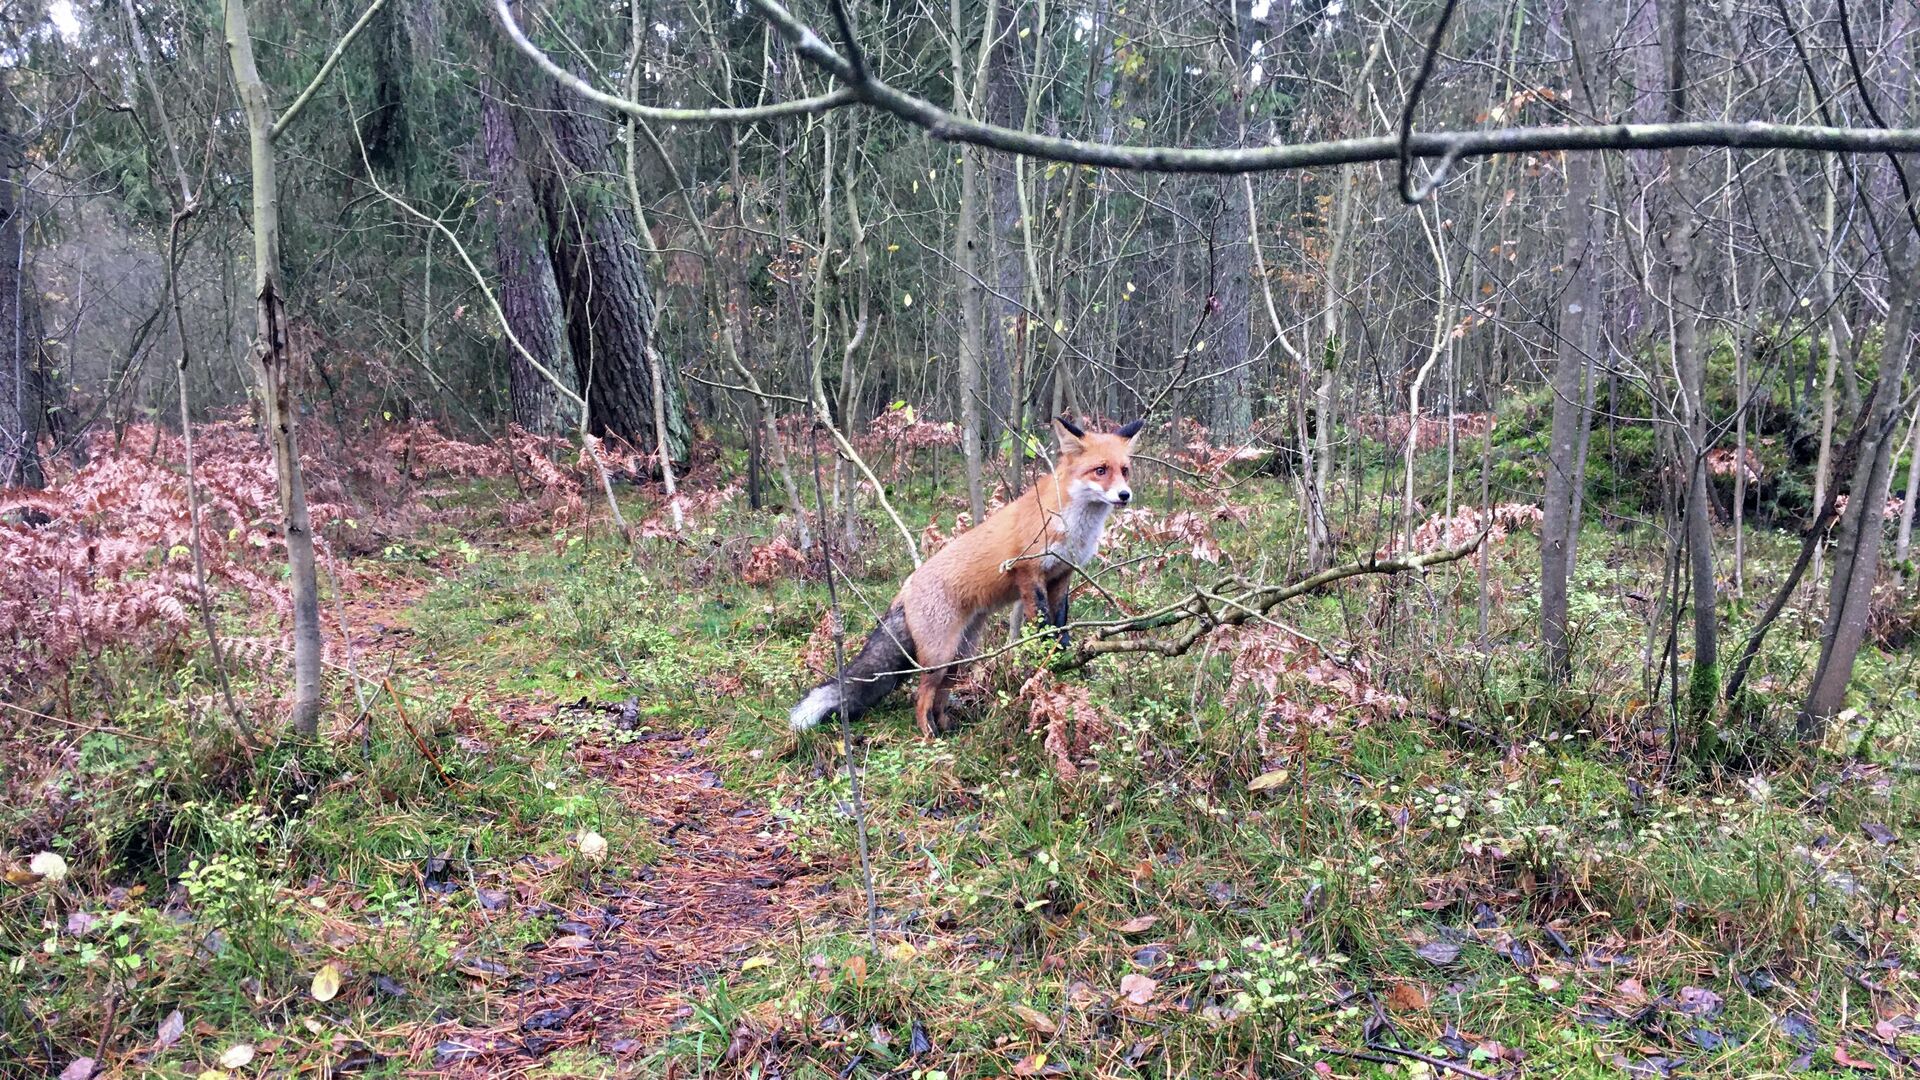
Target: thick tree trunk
{"x": 1579, "y": 341}
{"x": 599, "y": 263}
{"x": 272, "y": 362}
{"x": 529, "y": 295}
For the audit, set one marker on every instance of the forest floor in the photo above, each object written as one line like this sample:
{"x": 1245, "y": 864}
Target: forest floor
{"x": 564, "y": 832}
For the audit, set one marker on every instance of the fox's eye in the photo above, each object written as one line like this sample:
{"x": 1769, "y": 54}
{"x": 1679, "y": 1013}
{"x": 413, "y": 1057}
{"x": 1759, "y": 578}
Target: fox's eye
{"x": 1101, "y": 471}
{"x": 1126, "y": 470}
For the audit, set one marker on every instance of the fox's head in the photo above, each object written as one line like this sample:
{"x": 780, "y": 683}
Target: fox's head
{"x": 1097, "y": 466}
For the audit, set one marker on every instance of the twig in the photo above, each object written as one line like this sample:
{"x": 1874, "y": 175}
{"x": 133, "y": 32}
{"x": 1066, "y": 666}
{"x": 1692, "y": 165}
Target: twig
{"x": 1408, "y": 194}
{"x": 1374, "y": 1050}
{"x": 326, "y": 68}
{"x": 846, "y": 725}
{"x": 420, "y": 743}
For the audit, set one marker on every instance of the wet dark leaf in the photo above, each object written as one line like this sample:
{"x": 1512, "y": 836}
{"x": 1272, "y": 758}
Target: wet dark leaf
{"x": 1698, "y": 1001}
{"x": 920, "y": 1044}
{"x": 383, "y": 984}
{"x": 571, "y": 927}
{"x": 1438, "y": 952}
{"x": 1451, "y": 1041}
{"x": 454, "y": 1051}
{"x": 1798, "y": 1028}
{"x": 1878, "y": 833}
{"x": 1559, "y": 940}
{"x": 1757, "y": 982}
{"x": 1709, "y": 1040}
{"x": 536, "y": 1046}
{"x": 1484, "y": 917}
{"x": 357, "y": 1057}
{"x": 1520, "y": 953}
{"x": 1150, "y": 956}
{"x": 170, "y": 1031}
{"x": 548, "y": 1019}
{"x": 491, "y": 899}
{"x": 1220, "y": 892}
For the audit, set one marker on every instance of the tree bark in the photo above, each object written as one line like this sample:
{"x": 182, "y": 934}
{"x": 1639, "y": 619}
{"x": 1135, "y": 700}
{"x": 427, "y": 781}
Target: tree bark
{"x": 528, "y": 292}
{"x": 19, "y": 347}
{"x": 1232, "y": 411}
{"x": 599, "y": 264}
{"x": 272, "y": 363}
{"x": 1856, "y": 561}
{"x": 1579, "y": 342}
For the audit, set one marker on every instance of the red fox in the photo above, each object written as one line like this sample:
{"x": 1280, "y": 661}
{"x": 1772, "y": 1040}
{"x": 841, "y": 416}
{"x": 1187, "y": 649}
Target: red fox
{"x": 1025, "y": 553}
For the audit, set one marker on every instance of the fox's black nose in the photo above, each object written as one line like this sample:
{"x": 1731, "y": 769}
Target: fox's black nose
{"x": 1124, "y": 495}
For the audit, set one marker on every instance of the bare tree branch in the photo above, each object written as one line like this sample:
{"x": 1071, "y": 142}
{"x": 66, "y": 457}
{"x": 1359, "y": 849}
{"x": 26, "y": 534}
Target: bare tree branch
{"x": 756, "y": 114}
{"x": 326, "y": 68}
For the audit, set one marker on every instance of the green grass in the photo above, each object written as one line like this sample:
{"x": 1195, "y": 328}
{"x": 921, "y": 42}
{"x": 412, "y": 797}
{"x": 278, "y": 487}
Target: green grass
{"x": 1580, "y": 870}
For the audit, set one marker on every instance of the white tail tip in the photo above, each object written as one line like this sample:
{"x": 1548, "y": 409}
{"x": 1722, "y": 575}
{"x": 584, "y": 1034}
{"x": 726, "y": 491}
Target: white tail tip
{"x": 811, "y": 709}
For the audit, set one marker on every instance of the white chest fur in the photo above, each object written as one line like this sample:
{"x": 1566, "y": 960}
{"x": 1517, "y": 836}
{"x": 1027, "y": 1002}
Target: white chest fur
{"x": 1081, "y": 526}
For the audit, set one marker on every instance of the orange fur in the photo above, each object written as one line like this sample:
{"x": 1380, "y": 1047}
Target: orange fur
{"x": 1006, "y": 560}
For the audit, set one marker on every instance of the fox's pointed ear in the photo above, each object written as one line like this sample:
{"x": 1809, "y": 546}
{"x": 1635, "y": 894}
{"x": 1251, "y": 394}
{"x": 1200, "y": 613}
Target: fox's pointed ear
{"x": 1131, "y": 430}
{"x": 1070, "y": 435}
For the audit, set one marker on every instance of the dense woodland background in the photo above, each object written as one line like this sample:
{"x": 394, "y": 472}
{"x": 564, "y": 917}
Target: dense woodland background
{"x": 298, "y": 298}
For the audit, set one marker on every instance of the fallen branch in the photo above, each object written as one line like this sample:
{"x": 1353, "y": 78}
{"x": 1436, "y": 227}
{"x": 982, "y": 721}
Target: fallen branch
{"x": 1206, "y": 610}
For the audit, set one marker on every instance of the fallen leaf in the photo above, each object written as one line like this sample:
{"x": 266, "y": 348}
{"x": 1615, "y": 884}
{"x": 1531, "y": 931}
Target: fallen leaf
{"x": 78, "y": 1069}
{"x": 211, "y": 1074}
{"x": 326, "y": 983}
{"x": 1438, "y": 952}
{"x": 1407, "y": 997}
{"x": 593, "y": 846}
{"x": 1698, "y": 1001}
{"x": 756, "y": 962}
{"x": 1547, "y": 984}
{"x": 856, "y": 969}
{"x": 1841, "y": 1057}
{"x": 237, "y": 1056}
{"x": 174, "y": 1026}
{"x": 1875, "y": 831}
{"x": 1631, "y": 990}
{"x": 1036, "y": 1019}
{"x": 1138, "y": 988}
{"x": 50, "y": 866}
{"x": 1268, "y": 781}
{"x": 1139, "y": 924}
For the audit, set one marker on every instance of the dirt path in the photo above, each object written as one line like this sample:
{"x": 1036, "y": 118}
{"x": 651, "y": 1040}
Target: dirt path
{"x": 615, "y": 974}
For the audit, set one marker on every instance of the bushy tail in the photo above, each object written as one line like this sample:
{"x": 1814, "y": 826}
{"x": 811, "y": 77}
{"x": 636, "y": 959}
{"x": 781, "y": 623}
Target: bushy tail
{"x": 868, "y": 676}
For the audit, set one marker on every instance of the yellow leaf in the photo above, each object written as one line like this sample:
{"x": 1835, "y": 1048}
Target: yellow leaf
{"x": 1036, "y": 1019}
{"x": 1268, "y": 781}
{"x": 326, "y": 983}
{"x": 902, "y": 952}
{"x": 757, "y": 962}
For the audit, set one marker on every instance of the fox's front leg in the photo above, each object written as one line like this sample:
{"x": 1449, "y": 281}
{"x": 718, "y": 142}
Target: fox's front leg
{"x": 1058, "y": 591}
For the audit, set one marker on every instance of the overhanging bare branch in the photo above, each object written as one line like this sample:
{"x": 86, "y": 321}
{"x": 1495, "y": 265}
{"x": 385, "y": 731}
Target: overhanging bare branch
{"x": 757, "y": 114}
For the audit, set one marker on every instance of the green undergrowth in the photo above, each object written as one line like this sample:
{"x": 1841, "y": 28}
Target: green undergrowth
{"x": 1475, "y": 867}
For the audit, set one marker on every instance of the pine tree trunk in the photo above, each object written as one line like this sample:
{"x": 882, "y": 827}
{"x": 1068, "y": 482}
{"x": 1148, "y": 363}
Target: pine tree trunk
{"x": 599, "y": 265}
{"x": 528, "y": 293}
